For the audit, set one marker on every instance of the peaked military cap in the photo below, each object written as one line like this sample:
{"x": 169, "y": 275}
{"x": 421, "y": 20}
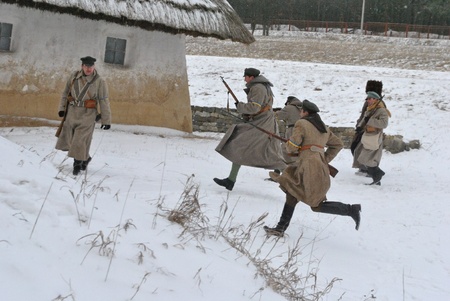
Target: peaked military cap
{"x": 372, "y": 94}
{"x": 88, "y": 60}
{"x": 310, "y": 107}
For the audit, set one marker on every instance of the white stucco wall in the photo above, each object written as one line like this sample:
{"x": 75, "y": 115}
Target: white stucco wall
{"x": 47, "y": 46}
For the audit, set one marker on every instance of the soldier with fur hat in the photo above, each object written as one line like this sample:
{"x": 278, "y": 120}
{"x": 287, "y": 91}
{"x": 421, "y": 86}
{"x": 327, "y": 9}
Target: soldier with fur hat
{"x": 84, "y": 94}
{"x": 377, "y": 87}
{"x": 368, "y": 147}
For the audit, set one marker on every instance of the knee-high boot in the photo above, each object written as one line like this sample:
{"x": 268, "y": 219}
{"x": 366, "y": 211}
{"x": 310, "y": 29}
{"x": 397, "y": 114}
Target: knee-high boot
{"x": 338, "y": 208}
{"x": 285, "y": 219}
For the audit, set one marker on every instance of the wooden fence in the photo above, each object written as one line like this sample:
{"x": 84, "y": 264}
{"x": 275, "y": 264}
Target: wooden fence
{"x": 369, "y": 28}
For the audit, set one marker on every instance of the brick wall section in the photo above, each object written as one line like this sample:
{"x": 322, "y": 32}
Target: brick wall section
{"x": 212, "y": 119}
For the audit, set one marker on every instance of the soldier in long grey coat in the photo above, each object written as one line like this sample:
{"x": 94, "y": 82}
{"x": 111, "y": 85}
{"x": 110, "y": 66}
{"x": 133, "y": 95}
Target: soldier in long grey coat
{"x": 243, "y": 144}
{"x": 377, "y": 87}
{"x": 289, "y": 115}
{"x": 85, "y": 92}
{"x": 376, "y": 118}
{"x": 308, "y": 179}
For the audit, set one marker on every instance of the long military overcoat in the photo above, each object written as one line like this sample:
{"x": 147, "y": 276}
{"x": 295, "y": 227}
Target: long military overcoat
{"x": 289, "y": 114}
{"x": 308, "y": 179}
{"x": 78, "y": 129}
{"x": 244, "y": 144}
{"x": 377, "y": 122}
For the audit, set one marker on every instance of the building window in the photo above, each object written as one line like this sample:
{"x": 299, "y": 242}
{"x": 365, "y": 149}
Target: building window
{"x": 115, "y": 51}
{"x": 5, "y": 36}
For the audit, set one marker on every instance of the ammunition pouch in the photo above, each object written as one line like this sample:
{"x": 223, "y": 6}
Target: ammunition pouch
{"x": 90, "y": 104}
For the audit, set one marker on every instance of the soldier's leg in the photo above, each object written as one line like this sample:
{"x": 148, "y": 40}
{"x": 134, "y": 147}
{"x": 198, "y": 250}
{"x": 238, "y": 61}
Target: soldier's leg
{"x": 285, "y": 219}
{"x": 228, "y": 183}
{"x": 338, "y": 208}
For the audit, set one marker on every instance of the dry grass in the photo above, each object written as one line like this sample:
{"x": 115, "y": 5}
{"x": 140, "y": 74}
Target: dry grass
{"x": 284, "y": 278}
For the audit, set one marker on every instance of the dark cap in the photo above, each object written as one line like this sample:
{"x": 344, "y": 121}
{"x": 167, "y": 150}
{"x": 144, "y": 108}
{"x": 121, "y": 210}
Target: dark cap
{"x": 251, "y": 72}
{"x": 88, "y": 60}
{"x": 292, "y": 100}
{"x": 310, "y": 107}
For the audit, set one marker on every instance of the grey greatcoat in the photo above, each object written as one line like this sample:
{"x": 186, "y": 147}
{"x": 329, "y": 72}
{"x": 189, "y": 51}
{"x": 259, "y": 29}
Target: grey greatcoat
{"x": 308, "y": 179}
{"x": 289, "y": 114}
{"x": 363, "y": 157}
{"x": 244, "y": 144}
{"x": 78, "y": 129}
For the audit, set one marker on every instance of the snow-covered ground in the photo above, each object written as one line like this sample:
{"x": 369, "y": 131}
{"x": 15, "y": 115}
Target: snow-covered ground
{"x": 59, "y": 232}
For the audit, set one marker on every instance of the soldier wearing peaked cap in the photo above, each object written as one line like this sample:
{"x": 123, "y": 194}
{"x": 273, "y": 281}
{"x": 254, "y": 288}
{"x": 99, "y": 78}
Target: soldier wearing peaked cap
{"x": 308, "y": 179}
{"x": 84, "y": 95}
{"x": 88, "y": 61}
{"x": 289, "y": 115}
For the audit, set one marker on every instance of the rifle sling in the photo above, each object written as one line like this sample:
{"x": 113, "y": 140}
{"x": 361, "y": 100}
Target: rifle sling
{"x": 85, "y": 90}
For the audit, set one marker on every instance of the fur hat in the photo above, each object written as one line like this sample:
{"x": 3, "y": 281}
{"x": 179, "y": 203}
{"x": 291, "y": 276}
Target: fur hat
{"x": 375, "y": 86}
{"x": 251, "y": 72}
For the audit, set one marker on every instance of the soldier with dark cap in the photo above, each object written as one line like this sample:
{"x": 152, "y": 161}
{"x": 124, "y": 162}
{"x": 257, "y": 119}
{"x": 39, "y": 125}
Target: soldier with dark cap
{"x": 308, "y": 179}
{"x": 289, "y": 115}
{"x": 243, "y": 144}
{"x": 84, "y": 101}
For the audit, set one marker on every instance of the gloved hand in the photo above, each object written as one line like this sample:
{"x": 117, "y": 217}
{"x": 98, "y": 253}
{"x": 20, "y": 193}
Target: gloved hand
{"x": 358, "y": 129}
{"x": 98, "y": 117}
{"x": 366, "y": 119}
{"x": 61, "y": 113}
{"x": 105, "y": 126}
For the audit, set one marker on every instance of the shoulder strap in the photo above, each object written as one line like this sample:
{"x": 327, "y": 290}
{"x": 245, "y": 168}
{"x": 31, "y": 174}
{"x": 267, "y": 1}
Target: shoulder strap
{"x": 85, "y": 89}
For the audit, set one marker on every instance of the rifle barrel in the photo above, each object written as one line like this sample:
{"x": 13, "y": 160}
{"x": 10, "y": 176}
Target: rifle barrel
{"x": 229, "y": 89}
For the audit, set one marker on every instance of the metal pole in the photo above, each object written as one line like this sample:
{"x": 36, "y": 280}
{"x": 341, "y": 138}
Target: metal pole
{"x": 362, "y": 16}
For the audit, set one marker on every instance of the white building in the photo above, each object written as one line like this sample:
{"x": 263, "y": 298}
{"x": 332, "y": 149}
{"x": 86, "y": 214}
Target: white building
{"x": 139, "y": 46}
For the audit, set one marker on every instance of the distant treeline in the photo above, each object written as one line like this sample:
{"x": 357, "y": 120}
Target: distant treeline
{"x": 416, "y": 12}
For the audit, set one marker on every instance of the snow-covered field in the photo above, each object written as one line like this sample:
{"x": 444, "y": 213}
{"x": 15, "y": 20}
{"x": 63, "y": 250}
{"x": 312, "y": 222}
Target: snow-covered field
{"x": 105, "y": 235}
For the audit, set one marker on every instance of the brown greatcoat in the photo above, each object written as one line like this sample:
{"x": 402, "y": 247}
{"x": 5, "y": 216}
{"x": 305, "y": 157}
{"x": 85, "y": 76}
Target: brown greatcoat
{"x": 308, "y": 179}
{"x": 244, "y": 144}
{"x": 377, "y": 122}
{"x": 289, "y": 114}
{"x": 78, "y": 129}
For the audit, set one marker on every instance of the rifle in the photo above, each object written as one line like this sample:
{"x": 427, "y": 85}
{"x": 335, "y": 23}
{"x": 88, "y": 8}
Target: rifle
{"x": 229, "y": 90}
{"x": 58, "y": 131}
{"x": 333, "y": 170}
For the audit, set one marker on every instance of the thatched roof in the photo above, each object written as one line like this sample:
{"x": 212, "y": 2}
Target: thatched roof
{"x": 206, "y": 18}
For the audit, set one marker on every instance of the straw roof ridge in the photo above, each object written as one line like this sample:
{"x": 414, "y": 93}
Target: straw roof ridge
{"x": 206, "y": 18}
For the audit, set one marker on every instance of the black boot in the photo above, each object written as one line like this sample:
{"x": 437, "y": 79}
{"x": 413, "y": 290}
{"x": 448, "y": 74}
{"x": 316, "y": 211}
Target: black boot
{"x": 282, "y": 225}
{"x": 84, "y": 164}
{"x": 338, "y": 208}
{"x": 227, "y": 183}
{"x": 376, "y": 173}
{"x": 76, "y": 166}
